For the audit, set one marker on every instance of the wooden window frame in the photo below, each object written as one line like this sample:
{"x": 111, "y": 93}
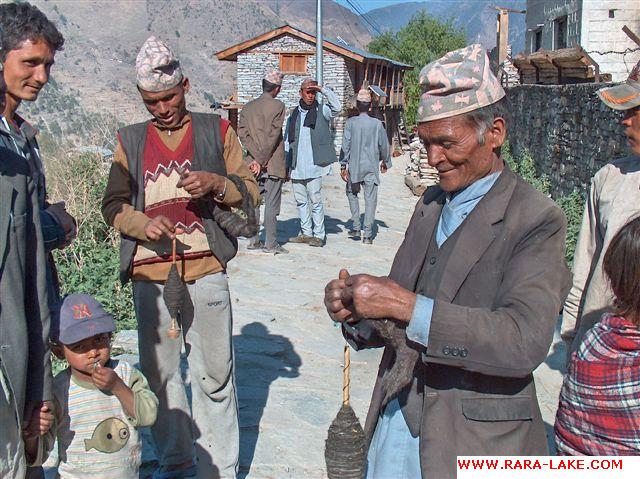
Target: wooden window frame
{"x": 294, "y": 56}
{"x": 537, "y": 40}
{"x": 561, "y": 32}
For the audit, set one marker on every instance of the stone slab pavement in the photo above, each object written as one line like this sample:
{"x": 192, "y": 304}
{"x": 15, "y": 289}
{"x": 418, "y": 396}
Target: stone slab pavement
{"x": 289, "y": 354}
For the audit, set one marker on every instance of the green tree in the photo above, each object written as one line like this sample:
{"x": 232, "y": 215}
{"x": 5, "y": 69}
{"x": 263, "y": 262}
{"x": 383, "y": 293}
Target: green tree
{"x": 421, "y": 41}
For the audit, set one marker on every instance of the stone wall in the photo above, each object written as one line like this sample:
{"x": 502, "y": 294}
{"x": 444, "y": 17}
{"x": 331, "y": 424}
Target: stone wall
{"x": 569, "y": 132}
{"x": 337, "y": 73}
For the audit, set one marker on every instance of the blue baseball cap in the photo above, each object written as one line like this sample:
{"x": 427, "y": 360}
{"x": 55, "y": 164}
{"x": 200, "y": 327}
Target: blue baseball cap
{"x": 82, "y": 316}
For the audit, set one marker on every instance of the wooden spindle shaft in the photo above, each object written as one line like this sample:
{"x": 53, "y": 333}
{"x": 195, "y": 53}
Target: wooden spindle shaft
{"x": 345, "y": 376}
{"x": 173, "y": 250}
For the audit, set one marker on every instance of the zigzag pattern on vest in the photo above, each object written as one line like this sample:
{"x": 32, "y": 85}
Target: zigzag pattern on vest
{"x": 166, "y": 170}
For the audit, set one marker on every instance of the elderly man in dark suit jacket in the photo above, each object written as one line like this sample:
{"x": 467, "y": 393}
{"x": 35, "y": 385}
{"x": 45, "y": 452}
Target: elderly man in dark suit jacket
{"x": 260, "y": 131}
{"x": 468, "y": 310}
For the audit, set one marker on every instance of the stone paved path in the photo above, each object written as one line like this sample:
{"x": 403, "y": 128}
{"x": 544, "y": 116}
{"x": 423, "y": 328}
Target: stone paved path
{"x": 289, "y": 354}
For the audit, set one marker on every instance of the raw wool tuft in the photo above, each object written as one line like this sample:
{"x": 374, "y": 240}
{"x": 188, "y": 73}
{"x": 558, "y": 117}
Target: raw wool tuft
{"x": 406, "y": 358}
{"x": 232, "y": 223}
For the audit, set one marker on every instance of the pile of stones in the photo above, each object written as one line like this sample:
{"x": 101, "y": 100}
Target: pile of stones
{"x": 419, "y": 175}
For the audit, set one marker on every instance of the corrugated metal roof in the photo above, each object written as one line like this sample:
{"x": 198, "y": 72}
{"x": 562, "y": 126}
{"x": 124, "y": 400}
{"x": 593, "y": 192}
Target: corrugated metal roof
{"x": 356, "y": 50}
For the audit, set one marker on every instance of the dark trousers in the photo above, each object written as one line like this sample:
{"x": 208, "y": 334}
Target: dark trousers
{"x": 271, "y": 192}
{"x": 370, "y": 202}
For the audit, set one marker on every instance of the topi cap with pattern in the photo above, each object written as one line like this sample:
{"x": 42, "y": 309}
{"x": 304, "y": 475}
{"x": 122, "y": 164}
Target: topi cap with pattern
{"x": 364, "y": 95}
{"x": 157, "y": 68}
{"x": 459, "y": 82}
{"x": 624, "y": 96}
{"x": 82, "y": 316}
{"x": 274, "y": 77}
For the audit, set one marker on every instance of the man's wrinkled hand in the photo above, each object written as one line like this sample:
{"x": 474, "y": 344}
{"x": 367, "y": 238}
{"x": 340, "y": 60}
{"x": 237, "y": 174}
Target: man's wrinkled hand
{"x": 201, "y": 183}
{"x": 158, "y": 227}
{"x": 344, "y": 174}
{"x": 337, "y": 303}
{"x": 374, "y": 297}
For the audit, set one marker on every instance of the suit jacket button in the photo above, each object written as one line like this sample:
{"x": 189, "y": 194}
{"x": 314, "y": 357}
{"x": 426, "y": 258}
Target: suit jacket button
{"x": 432, "y": 260}
{"x": 455, "y": 351}
{"x": 464, "y": 353}
{"x": 446, "y": 350}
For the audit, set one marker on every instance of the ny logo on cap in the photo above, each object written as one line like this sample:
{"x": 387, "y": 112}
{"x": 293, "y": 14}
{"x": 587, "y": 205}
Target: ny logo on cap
{"x": 81, "y": 311}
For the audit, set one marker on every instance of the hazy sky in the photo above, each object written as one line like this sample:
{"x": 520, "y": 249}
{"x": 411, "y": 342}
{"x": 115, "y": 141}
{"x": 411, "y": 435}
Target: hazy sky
{"x": 367, "y": 5}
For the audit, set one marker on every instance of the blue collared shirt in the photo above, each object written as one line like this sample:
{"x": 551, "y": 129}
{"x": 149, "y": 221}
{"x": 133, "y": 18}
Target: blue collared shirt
{"x": 394, "y": 452}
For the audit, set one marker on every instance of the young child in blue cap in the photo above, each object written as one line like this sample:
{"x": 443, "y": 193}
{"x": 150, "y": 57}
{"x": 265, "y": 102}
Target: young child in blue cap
{"x": 99, "y": 401}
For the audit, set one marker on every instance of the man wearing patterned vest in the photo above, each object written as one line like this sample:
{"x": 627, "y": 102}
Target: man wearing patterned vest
{"x": 167, "y": 175}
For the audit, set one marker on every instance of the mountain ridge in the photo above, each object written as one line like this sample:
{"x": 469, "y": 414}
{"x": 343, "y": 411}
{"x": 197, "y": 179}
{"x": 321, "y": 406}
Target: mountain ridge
{"x": 476, "y": 17}
{"x": 94, "y": 74}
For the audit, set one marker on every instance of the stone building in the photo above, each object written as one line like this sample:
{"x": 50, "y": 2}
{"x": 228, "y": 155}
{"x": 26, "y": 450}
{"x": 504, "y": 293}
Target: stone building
{"x": 345, "y": 70}
{"x": 595, "y": 25}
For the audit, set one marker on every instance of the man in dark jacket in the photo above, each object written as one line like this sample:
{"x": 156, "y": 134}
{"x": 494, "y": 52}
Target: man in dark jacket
{"x": 260, "y": 131}
{"x": 469, "y": 308}
{"x": 310, "y": 151}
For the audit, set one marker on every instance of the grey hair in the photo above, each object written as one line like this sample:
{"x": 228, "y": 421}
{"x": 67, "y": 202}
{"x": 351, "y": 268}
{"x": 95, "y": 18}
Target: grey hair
{"x": 483, "y": 118}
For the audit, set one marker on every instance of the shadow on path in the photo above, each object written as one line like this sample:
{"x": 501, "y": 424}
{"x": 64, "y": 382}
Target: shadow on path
{"x": 260, "y": 359}
{"x": 290, "y": 228}
{"x": 377, "y": 224}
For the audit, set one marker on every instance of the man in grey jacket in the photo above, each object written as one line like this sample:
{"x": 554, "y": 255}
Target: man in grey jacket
{"x": 31, "y": 228}
{"x": 30, "y": 42}
{"x": 310, "y": 151}
{"x": 25, "y": 369}
{"x": 365, "y": 153}
{"x": 614, "y": 198}
{"x": 468, "y": 310}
